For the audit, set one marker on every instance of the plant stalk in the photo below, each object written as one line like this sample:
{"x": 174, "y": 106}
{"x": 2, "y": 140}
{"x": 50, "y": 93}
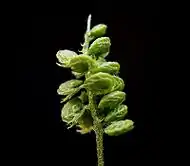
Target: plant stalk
{"x": 98, "y": 129}
{"x": 97, "y": 126}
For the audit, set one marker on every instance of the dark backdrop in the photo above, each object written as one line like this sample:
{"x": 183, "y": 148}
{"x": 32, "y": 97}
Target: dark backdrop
{"x": 41, "y": 137}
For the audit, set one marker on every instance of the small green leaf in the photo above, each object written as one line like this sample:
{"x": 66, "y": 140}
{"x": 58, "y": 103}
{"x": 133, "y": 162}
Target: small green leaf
{"x": 117, "y": 128}
{"x": 99, "y": 83}
{"x": 64, "y": 57}
{"x": 70, "y": 109}
{"x": 100, "y": 47}
{"x": 111, "y": 100}
{"x": 68, "y": 87}
{"x": 82, "y": 63}
{"x": 118, "y": 113}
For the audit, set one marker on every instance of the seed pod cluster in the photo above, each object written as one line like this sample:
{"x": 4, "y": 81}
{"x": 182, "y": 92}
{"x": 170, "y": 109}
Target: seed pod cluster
{"x": 94, "y": 73}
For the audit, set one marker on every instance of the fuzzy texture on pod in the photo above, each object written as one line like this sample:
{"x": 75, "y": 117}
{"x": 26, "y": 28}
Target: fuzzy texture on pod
{"x": 69, "y": 87}
{"x": 100, "y": 47}
{"x": 82, "y": 63}
{"x": 118, "y": 113}
{"x": 119, "y": 127}
{"x": 97, "y": 31}
{"x": 64, "y": 57}
{"x": 70, "y": 109}
{"x": 118, "y": 84}
{"x": 99, "y": 83}
{"x": 107, "y": 67}
{"x": 111, "y": 100}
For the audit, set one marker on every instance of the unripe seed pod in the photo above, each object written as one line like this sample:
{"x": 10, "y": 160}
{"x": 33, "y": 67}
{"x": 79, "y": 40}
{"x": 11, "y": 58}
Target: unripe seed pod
{"x": 70, "y": 109}
{"x": 68, "y": 86}
{"x": 100, "y": 47}
{"x": 82, "y": 63}
{"x": 107, "y": 67}
{"x": 118, "y": 84}
{"x": 111, "y": 100}
{"x": 119, "y": 127}
{"x": 99, "y": 83}
{"x": 117, "y": 114}
{"x": 64, "y": 57}
{"x": 98, "y": 31}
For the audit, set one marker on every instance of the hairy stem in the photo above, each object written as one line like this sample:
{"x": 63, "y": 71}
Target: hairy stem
{"x": 97, "y": 126}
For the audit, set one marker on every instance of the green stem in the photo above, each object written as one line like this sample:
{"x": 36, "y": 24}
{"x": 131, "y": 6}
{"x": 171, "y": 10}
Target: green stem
{"x": 97, "y": 126}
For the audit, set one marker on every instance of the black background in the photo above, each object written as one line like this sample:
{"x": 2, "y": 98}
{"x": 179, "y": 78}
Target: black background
{"x": 40, "y": 135}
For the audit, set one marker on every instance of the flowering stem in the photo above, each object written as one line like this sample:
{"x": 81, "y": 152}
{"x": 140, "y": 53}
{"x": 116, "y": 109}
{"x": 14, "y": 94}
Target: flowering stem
{"x": 97, "y": 126}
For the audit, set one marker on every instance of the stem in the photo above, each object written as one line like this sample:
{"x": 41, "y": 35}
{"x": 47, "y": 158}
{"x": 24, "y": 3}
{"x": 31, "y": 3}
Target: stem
{"x": 99, "y": 145}
{"x": 97, "y": 126}
{"x": 89, "y": 23}
{"x": 86, "y": 37}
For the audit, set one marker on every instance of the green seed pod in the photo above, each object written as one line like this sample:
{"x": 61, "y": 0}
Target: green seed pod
{"x": 111, "y": 100}
{"x": 118, "y": 84}
{"x": 77, "y": 117}
{"x": 98, "y": 31}
{"x": 69, "y": 87}
{"x": 70, "y": 109}
{"x": 119, "y": 127}
{"x": 118, "y": 113}
{"x": 82, "y": 63}
{"x": 64, "y": 57}
{"x": 100, "y": 47}
{"x": 107, "y": 67}
{"x": 99, "y": 83}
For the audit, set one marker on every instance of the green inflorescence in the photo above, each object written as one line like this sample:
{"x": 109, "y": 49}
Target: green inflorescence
{"x": 93, "y": 101}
